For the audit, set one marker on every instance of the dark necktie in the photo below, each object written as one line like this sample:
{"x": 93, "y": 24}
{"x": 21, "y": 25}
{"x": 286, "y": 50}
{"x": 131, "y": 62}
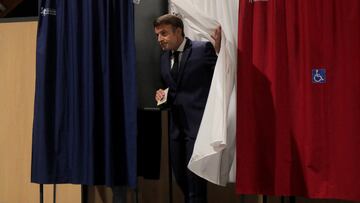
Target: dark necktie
{"x": 175, "y": 68}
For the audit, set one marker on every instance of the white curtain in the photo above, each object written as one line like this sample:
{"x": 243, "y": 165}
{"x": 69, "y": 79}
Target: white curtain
{"x": 214, "y": 150}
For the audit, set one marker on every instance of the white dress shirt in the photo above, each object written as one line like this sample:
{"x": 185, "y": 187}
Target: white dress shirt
{"x": 180, "y": 50}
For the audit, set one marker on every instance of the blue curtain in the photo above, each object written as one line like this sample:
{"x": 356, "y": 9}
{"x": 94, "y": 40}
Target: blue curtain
{"x": 84, "y": 128}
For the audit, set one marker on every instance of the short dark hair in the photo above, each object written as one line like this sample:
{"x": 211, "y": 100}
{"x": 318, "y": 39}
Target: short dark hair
{"x": 169, "y": 19}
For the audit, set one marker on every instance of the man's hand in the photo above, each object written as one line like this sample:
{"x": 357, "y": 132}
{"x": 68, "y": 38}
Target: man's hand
{"x": 160, "y": 94}
{"x": 217, "y": 39}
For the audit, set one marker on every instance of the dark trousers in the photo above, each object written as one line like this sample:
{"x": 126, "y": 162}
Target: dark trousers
{"x": 193, "y": 187}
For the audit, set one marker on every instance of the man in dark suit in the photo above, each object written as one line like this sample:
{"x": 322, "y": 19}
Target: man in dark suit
{"x": 187, "y": 68}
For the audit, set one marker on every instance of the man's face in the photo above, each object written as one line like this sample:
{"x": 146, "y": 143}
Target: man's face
{"x": 168, "y": 38}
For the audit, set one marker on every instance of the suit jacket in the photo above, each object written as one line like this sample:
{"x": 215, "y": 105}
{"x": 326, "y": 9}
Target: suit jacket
{"x": 188, "y": 95}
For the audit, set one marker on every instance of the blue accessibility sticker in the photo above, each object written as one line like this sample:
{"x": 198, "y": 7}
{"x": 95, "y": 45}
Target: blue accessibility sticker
{"x": 319, "y": 75}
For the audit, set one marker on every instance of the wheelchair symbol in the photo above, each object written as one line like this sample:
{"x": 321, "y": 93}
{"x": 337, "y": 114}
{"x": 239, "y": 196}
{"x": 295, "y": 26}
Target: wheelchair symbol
{"x": 319, "y": 76}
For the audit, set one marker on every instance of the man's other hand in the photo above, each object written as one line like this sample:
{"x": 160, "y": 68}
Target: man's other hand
{"x": 217, "y": 39}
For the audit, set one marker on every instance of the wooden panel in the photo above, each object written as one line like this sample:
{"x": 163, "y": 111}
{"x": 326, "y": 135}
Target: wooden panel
{"x": 17, "y": 74}
{"x": 17, "y": 82}
{"x": 66, "y": 193}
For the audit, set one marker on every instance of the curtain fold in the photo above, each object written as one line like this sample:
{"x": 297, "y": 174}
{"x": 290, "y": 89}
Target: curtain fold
{"x": 297, "y": 135}
{"x": 84, "y": 128}
{"x": 214, "y": 148}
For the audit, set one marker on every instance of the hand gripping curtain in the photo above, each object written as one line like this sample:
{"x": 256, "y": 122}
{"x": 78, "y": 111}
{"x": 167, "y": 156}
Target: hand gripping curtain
{"x": 84, "y": 129}
{"x": 214, "y": 148}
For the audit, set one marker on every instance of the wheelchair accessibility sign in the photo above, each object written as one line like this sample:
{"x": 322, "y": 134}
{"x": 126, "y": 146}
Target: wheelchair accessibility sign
{"x": 319, "y": 75}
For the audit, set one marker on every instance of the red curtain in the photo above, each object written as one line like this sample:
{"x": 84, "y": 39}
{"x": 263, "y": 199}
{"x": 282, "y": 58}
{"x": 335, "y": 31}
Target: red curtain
{"x": 298, "y": 103}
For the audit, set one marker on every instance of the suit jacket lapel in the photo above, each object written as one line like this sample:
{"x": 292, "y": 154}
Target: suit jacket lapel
{"x": 167, "y": 69}
{"x": 184, "y": 59}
